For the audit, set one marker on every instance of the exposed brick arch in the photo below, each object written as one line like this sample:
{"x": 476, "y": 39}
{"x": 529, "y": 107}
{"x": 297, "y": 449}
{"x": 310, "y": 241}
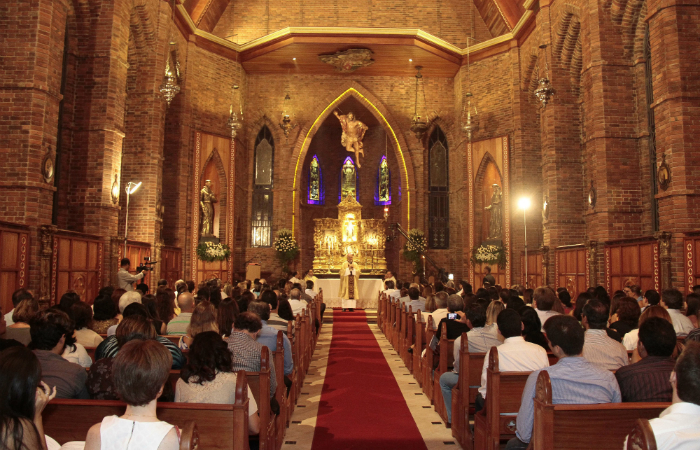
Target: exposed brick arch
{"x": 529, "y": 76}
{"x": 377, "y": 108}
{"x": 567, "y": 51}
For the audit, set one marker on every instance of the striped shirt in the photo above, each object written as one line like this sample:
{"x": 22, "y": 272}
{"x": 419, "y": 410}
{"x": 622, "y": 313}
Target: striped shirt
{"x": 646, "y": 380}
{"x": 109, "y": 349}
{"x": 603, "y": 351}
{"x": 480, "y": 341}
{"x": 575, "y": 381}
{"x": 515, "y": 355}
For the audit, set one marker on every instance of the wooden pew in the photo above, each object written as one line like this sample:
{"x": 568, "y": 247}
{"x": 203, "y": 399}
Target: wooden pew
{"x": 464, "y": 394}
{"x": 427, "y": 361}
{"x": 642, "y": 436}
{"x": 418, "y": 346}
{"x": 281, "y": 394}
{"x": 504, "y": 393}
{"x": 259, "y": 383}
{"x": 220, "y": 427}
{"x": 189, "y": 436}
{"x": 568, "y": 427}
{"x": 409, "y": 339}
{"x": 445, "y": 364}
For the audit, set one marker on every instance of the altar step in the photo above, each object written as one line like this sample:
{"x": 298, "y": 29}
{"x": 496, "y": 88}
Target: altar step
{"x": 371, "y": 315}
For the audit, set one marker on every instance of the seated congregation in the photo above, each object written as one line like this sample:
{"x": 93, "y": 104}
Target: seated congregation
{"x": 216, "y": 366}
{"x": 538, "y": 369}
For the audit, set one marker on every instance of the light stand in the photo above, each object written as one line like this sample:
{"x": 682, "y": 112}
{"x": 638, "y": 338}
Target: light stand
{"x": 524, "y": 204}
{"x": 131, "y": 187}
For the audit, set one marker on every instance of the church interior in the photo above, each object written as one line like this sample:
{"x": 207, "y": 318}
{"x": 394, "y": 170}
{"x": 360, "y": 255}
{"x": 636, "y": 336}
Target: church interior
{"x": 546, "y": 142}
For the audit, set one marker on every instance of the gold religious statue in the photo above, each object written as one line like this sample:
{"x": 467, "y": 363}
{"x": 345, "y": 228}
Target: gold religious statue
{"x": 496, "y": 222}
{"x": 349, "y": 229}
{"x": 353, "y": 133}
{"x": 206, "y": 201}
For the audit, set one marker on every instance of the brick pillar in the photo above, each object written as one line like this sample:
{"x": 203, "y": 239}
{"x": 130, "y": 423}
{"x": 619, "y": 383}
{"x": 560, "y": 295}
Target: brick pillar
{"x": 561, "y": 152}
{"x": 674, "y": 35}
{"x": 144, "y": 125}
{"x": 30, "y": 86}
{"x": 611, "y": 138}
{"x": 98, "y": 130}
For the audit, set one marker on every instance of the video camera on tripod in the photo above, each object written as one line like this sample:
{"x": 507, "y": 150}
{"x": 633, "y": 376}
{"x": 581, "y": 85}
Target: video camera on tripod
{"x": 147, "y": 265}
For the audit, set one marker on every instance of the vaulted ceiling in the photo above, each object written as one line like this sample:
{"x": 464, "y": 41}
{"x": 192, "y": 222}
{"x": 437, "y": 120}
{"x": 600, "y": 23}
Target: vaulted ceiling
{"x": 500, "y": 16}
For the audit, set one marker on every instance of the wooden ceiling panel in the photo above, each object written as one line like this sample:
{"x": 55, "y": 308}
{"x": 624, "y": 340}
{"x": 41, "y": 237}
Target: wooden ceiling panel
{"x": 496, "y": 23}
{"x": 212, "y": 14}
{"x": 397, "y": 59}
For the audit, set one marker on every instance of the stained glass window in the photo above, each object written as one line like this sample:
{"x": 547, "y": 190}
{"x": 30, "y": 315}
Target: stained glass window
{"x": 261, "y": 221}
{"x": 382, "y": 195}
{"x": 315, "y": 182}
{"x": 438, "y": 197}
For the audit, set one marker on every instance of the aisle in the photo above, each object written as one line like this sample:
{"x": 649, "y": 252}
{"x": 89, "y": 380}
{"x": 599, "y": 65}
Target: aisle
{"x": 361, "y": 404}
{"x": 359, "y": 395}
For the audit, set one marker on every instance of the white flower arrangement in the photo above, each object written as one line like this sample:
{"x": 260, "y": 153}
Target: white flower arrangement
{"x": 286, "y": 246}
{"x": 416, "y": 241}
{"x": 208, "y": 251}
{"x": 489, "y": 254}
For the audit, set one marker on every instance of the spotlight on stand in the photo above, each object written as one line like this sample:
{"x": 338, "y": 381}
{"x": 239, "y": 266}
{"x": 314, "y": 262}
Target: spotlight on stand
{"x": 524, "y": 203}
{"x": 131, "y": 187}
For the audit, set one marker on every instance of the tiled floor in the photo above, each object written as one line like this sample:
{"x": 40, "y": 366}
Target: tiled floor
{"x": 300, "y": 433}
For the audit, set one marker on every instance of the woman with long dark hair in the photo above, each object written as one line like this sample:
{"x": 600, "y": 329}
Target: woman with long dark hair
{"x": 165, "y": 300}
{"x": 208, "y": 377}
{"x": 226, "y": 315}
{"x": 22, "y": 400}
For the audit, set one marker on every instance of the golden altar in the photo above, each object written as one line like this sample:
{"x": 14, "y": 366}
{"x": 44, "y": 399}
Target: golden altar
{"x": 349, "y": 233}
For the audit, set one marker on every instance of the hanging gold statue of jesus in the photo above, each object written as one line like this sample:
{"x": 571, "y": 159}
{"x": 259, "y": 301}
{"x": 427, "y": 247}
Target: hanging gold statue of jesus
{"x": 353, "y": 133}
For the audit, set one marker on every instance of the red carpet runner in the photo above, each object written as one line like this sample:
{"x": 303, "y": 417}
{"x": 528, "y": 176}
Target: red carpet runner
{"x": 361, "y": 404}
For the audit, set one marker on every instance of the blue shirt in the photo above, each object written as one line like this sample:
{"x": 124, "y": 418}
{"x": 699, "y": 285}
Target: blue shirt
{"x": 268, "y": 338}
{"x": 575, "y": 381}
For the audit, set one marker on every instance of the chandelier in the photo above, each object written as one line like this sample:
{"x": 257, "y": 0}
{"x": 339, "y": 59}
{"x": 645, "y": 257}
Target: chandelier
{"x": 544, "y": 91}
{"x": 469, "y": 123}
{"x": 169, "y": 89}
{"x": 419, "y": 124}
{"x": 286, "y": 122}
{"x": 234, "y": 123}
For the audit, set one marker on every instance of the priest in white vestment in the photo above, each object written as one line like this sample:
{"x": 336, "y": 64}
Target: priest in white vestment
{"x": 349, "y": 283}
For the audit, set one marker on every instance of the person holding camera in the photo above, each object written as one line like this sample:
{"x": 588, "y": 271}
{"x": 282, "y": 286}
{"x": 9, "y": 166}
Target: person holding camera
{"x": 125, "y": 280}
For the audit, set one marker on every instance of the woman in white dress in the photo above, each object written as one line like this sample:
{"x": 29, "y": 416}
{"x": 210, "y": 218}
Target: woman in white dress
{"x": 147, "y": 362}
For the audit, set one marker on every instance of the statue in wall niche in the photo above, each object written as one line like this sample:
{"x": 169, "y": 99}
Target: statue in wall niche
{"x": 353, "y": 133}
{"x": 496, "y": 208}
{"x": 207, "y": 200}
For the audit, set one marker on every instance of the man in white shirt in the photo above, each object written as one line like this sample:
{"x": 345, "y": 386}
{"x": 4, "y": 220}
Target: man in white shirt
{"x": 296, "y": 303}
{"x": 480, "y": 341}
{"x": 678, "y": 426}
{"x": 310, "y": 289}
{"x": 390, "y": 291}
{"x": 598, "y": 348}
{"x": 514, "y": 355}
{"x": 672, "y": 300}
{"x": 543, "y": 301}
{"x": 125, "y": 280}
{"x": 414, "y": 300}
{"x": 294, "y": 278}
{"x": 441, "y": 311}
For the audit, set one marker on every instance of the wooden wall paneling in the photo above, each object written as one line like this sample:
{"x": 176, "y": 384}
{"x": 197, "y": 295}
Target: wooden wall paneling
{"x": 632, "y": 262}
{"x": 534, "y": 270}
{"x": 209, "y": 270}
{"x": 77, "y": 265}
{"x": 571, "y": 269}
{"x": 136, "y": 252}
{"x": 14, "y": 245}
{"x": 691, "y": 258}
{"x": 171, "y": 264}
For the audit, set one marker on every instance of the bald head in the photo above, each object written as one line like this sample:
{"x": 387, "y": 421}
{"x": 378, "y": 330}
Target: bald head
{"x": 186, "y": 302}
{"x": 295, "y": 294}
